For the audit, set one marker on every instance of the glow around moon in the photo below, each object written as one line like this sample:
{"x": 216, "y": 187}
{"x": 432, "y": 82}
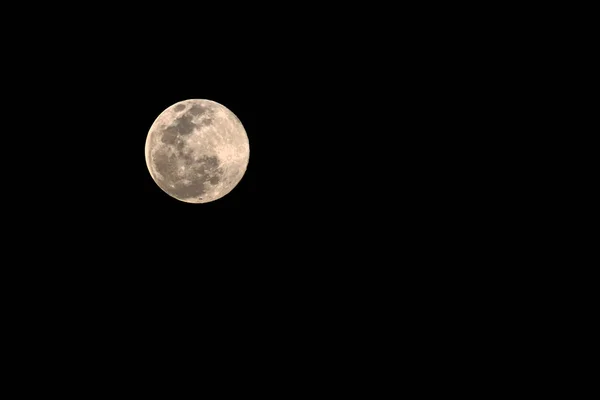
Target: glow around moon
{"x": 197, "y": 151}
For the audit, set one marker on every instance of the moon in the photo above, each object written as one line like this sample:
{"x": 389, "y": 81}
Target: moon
{"x": 197, "y": 151}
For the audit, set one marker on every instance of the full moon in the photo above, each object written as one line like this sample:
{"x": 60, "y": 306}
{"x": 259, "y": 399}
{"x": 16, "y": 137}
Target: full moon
{"x": 197, "y": 151}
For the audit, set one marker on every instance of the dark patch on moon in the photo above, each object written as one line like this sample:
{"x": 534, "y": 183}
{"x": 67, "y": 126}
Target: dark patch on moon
{"x": 179, "y": 107}
{"x": 211, "y": 162}
{"x": 207, "y": 170}
{"x": 206, "y": 122}
{"x": 197, "y": 109}
{"x": 195, "y": 189}
{"x": 164, "y": 163}
{"x": 185, "y": 126}
{"x": 169, "y": 135}
{"x": 199, "y": 169}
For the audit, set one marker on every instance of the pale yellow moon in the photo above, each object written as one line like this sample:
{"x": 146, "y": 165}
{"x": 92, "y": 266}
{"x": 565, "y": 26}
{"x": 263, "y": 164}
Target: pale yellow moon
{"x": 197, "y": 151}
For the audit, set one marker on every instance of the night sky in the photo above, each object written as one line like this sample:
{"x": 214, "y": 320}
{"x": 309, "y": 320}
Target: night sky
{"x": 368, "y": 179}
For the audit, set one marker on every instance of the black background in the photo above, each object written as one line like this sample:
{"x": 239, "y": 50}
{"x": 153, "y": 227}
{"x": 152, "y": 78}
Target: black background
{"x": 369, "y": 189}
{"x": 361, "y": 133}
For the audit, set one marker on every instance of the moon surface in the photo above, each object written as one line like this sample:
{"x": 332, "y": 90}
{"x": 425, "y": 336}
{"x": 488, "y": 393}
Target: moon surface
{"x": 197, "y": 151}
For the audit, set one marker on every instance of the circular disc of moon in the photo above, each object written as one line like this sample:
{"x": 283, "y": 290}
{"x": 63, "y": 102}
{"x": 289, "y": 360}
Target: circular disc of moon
{"x": 197, "y": 151}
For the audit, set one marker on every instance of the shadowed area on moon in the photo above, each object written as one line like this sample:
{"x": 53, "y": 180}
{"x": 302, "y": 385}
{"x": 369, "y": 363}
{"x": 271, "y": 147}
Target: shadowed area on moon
{"x": 183, "y": 124}
{"x": 197, "y": 109}
{"x": 204, "y": 171}
{"x": 169, "y": 135}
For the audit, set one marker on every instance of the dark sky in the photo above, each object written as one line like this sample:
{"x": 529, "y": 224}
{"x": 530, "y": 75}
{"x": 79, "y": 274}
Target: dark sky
{"x": 360, "y": 149}
{"x": 380, "y": 213}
